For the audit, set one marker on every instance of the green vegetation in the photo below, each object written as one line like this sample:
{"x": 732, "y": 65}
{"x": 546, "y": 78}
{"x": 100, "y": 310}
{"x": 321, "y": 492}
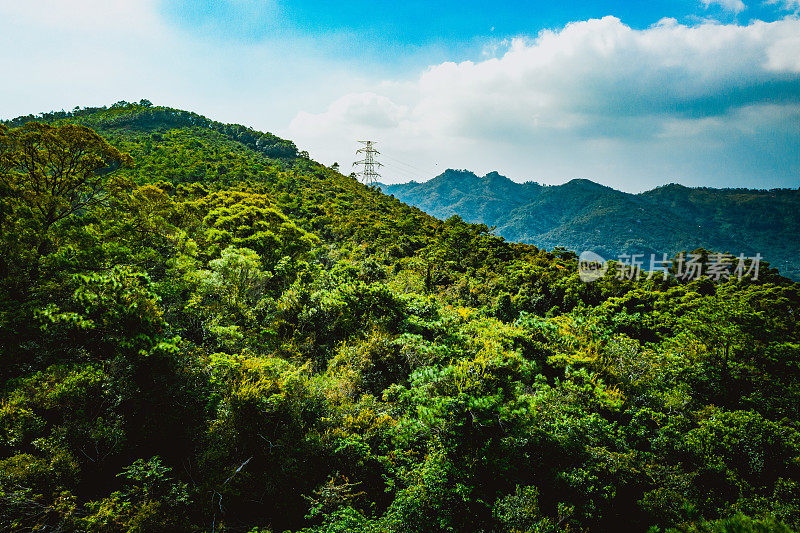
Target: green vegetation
{"x": 583, "y": 215}
{"x": 204, "y": 330}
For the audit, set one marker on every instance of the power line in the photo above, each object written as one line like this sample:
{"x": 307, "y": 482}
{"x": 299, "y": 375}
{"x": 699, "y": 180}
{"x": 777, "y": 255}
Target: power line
{"x": 410, "y": 166}
{"x": 369, "y": 176}
{"x": 399, "y": 172}
{"x": 402, "y": 173}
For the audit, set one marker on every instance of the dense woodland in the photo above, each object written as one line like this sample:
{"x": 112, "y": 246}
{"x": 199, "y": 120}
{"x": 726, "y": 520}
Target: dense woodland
{"x": 203, "y": 330}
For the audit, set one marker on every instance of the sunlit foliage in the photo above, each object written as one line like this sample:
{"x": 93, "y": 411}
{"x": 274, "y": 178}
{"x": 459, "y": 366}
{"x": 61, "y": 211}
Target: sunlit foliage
{"x": 228, "y": 336}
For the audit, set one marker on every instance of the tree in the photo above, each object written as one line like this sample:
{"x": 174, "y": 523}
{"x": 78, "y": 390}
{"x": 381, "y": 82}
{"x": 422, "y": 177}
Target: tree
{"x": 57, "y": 171}
{"x": 721, "y": 326}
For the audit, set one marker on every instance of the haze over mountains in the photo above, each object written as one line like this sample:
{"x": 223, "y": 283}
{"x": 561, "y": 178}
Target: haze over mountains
{"x": 584, "y": 215}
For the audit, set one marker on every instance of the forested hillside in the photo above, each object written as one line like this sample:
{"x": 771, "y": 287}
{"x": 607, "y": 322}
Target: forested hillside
{"x": 583, "y": 215}
{"x": 203, "y": 330}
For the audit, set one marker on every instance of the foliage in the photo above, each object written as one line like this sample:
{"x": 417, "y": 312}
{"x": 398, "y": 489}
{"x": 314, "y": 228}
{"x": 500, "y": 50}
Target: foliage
{"x": 583, "y": 215}
{"x": 229, "y": 336}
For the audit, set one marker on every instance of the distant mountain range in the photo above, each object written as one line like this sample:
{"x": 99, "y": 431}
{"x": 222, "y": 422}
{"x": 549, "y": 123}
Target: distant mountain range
{"x": 584, "y": 215}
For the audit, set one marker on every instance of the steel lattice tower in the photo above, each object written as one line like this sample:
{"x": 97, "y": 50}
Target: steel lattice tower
{"x": 369, "y": 176}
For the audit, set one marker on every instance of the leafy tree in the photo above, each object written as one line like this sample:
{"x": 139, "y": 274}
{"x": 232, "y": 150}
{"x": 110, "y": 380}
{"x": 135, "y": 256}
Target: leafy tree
{"x": 229, "y": 336}
{"x": 57, "y": 170}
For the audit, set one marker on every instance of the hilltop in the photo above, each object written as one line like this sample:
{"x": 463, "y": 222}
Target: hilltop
{"x": 202, "y": 329}
{"x": 583, "y": 215}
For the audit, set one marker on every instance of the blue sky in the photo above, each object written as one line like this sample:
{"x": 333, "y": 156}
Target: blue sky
{"x": 393, "y": 37}
{"x": 630, "y": 94}
{"x": 402, "y": 26}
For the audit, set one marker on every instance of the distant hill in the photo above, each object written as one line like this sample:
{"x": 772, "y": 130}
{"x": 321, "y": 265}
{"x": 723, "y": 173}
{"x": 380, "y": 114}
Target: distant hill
{"x": 583, "y": 215}
{"x": 202, "y": 329}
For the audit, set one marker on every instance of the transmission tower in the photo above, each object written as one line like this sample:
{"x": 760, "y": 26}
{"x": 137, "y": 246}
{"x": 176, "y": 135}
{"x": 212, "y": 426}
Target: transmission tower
{"x": 369, "y": 176}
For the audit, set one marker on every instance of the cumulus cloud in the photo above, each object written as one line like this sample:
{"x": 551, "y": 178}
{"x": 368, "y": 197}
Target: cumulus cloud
{"x": 367, "y": 110}
{"x": 709, "y": 104}
{"x": 597, "y": 88}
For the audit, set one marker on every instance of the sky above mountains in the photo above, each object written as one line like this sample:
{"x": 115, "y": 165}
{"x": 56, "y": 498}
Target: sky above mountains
{"x": 629, "y": 94}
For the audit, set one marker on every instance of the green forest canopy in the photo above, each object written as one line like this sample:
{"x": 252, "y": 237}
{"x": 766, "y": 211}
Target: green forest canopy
{"x": 204, "y": 330}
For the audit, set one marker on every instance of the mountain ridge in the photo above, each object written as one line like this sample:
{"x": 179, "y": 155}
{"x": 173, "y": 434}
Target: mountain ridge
{"x": 584, "y": 215}
{"x": 203, "y": 329}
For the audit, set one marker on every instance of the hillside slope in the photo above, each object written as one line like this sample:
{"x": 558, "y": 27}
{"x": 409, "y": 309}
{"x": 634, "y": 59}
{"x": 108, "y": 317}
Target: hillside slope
{"x": 202, "y": 329}
{"x": 583, "y": 215}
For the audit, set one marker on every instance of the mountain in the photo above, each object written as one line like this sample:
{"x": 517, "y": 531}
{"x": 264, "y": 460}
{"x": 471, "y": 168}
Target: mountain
{"x": 583, "y": 215}
{"x": 203, "y": 329}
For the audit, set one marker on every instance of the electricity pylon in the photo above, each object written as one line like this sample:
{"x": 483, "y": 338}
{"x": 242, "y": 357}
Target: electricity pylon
{"x": 369, "y": 176}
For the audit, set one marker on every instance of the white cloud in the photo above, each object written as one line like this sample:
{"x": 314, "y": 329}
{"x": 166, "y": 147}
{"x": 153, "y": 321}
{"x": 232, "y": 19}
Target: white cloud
{"x": 786, "y": 5}
{"x": 367, "y": 110}
{"x": 96, "y": 52}
{"x": 784, "y": 55}
{"x": 96, "y": 15}
{"x": 561, "y": 104}
{"x": 734, "y": 6}
{"x": 597, "y": 99}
